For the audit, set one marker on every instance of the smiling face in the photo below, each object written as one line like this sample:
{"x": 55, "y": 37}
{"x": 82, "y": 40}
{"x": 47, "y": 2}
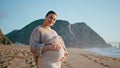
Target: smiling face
{"x": 50, "y": 19}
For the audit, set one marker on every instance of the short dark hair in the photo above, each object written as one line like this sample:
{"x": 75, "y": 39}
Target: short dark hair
{"x": 50, "y": 12}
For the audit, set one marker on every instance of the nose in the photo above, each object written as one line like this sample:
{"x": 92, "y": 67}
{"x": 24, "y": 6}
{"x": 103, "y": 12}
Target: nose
{"x": 52, "y": 20}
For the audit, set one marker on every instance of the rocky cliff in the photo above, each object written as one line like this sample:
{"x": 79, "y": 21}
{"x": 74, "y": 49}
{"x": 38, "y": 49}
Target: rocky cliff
{"x": 4, "y": 40}
{"x": 74, "y": 35}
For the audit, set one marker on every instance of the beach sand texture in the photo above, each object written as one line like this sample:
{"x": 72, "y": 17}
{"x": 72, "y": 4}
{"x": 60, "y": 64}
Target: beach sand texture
{"x": 20, "y": 57}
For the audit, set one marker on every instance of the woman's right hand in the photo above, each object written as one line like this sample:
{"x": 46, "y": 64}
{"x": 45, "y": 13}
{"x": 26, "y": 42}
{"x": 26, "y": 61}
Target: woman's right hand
{"x": 54, "y": 46}
{"x": 51, "y": 46}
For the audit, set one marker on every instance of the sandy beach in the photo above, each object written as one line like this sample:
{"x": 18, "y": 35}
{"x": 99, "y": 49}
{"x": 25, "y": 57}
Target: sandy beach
{"x": 20, "y": 57}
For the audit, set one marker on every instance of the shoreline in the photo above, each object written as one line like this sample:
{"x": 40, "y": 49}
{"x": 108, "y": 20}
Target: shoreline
{"x": 108, "y": 52}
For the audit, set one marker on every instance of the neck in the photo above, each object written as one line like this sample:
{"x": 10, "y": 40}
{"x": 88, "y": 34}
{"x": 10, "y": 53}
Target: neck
{"x": 45, "y": 26}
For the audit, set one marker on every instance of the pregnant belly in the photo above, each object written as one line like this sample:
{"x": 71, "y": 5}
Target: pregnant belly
{"x": 54, "y": 54}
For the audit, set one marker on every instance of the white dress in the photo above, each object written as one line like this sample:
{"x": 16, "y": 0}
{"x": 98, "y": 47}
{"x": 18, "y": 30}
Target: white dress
{"x": 49, "y": 59}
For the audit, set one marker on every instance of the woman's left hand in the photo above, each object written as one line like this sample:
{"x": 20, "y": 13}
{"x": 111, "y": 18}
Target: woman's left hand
{"x": 63, "y": 58}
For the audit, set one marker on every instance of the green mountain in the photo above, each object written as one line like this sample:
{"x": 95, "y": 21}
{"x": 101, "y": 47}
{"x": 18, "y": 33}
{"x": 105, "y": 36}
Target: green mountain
{"x": 74, "y": 35}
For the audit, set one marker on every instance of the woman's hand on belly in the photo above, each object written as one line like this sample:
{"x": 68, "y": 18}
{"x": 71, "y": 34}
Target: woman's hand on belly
{"x": 63, "y": 58}
{"x": 54, "y": 46}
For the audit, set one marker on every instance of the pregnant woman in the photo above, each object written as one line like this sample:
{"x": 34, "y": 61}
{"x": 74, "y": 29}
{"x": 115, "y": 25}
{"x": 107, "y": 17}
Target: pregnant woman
{"x": 47, "y": 45}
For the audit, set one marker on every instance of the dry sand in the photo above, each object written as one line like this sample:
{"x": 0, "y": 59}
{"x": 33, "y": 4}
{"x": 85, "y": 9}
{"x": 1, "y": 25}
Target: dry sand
{"x": 20, "y": 57}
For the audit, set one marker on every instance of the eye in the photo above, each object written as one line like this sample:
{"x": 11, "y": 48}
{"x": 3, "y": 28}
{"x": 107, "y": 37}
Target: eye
{"x": 54, "y": 19}
{"x": 51, "y": 17}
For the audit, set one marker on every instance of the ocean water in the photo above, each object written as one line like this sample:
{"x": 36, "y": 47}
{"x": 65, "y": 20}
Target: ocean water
{"x": 110, "y": 52}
